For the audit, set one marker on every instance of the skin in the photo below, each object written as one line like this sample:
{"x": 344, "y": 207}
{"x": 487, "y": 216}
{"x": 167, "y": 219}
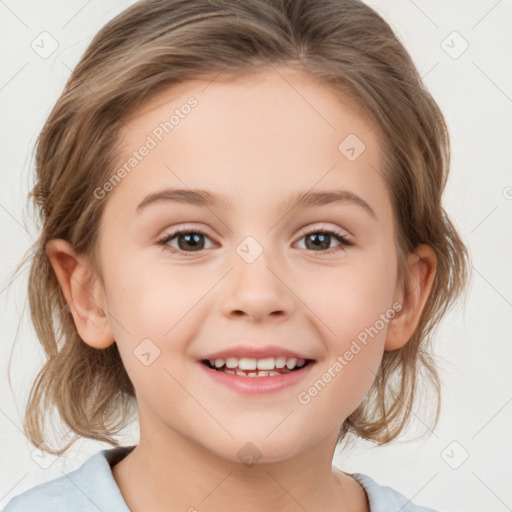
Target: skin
{"x": 256, "y": 140}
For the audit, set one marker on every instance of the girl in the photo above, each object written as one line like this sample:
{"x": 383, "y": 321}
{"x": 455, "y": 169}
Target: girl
{"x": 243, "y": 242}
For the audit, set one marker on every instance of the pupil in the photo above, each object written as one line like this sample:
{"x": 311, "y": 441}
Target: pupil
{"x": 321, "y": 240}
{"x": 192, "y": 240}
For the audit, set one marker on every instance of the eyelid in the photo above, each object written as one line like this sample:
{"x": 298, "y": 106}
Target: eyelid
{"x": 187, "y": 227}
{"x": 327, "y": 227}
{"x": 305, "y": 231}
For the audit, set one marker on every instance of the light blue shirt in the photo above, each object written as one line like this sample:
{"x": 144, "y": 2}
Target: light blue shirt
{"x": 92, "y": 488}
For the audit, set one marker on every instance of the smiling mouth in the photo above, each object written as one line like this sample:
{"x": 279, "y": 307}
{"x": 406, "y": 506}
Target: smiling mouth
{"x": 248, "y": 367}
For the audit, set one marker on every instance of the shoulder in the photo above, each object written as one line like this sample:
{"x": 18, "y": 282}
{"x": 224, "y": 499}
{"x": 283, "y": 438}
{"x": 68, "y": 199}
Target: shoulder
{"x": 91, "y": 487}
{"x": 383, "y": 498}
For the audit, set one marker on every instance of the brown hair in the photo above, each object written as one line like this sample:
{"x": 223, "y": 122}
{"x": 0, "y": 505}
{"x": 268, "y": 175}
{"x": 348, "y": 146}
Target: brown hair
{"x": 157, "y": 43}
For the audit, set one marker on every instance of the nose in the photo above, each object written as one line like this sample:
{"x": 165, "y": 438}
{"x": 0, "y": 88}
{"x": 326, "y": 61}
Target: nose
{"x": 257, "y": 290}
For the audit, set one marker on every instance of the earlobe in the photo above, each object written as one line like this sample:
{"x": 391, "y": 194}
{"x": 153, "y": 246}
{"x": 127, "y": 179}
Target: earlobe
{"x": 83, "y": 293}
{"x": 422, "y": 268}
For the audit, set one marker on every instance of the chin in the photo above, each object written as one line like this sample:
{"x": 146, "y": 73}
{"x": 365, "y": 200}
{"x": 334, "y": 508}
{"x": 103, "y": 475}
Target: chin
{"x": 255, "y": 448}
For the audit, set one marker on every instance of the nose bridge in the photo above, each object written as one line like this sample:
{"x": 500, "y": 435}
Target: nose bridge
{"x": 255, "y": 287}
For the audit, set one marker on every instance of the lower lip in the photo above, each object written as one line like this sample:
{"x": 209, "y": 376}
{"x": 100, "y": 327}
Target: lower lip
{"x": 257, "y": 384}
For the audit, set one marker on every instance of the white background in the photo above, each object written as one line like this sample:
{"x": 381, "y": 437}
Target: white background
{"x": 473, "y": 343}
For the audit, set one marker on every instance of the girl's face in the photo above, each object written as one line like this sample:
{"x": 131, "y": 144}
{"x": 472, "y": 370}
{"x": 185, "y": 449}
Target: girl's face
{"x": 255, "y": 272}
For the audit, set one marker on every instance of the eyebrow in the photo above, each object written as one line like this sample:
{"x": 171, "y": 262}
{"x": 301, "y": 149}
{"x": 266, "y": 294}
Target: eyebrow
{"x": 206, "y": 199}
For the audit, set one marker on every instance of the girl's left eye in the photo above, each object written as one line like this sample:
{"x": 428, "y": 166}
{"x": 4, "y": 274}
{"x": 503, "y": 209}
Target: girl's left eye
{"x": 320, "y": 238}
{"x": 192, "y": 239}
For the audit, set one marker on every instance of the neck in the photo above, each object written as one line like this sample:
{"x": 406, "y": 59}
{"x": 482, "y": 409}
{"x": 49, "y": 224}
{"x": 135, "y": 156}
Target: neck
{"x": 171, "y": 473}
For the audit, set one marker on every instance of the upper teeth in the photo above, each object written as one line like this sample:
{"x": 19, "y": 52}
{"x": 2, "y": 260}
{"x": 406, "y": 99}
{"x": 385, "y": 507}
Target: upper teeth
{"x": 269, "y": 363}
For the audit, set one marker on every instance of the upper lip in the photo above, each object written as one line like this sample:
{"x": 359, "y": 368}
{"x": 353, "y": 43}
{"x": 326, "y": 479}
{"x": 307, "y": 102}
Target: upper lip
{"x": 255, "y": 353}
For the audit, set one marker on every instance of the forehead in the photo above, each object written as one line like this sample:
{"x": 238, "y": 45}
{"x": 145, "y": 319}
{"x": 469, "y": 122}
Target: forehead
{"x": 252, "y": 140}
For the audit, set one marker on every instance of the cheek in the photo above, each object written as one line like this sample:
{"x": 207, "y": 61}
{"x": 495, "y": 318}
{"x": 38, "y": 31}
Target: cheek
{"x": 149, "y": 300}
{"x": 352, "y": 297}
{"x": 355, "y": 306}
{"x": 155, "y": 311}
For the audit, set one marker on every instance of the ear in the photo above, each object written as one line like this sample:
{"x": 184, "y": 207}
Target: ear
{"x": 84, "y": 293}
{"x": 422, "y": 269}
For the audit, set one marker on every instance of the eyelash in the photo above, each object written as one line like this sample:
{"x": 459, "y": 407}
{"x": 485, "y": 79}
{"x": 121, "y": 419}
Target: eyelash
{"x": 344, "y": 241}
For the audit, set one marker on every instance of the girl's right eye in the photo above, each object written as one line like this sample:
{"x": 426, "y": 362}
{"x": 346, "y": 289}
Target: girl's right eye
{"x": 185, "y": 239}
